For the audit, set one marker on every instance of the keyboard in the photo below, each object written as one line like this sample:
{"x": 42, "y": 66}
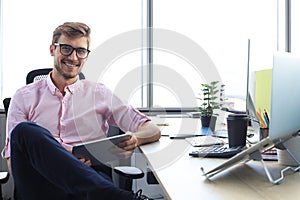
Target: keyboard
{"x": 221, "y": 151}
{"x": 202, "y": 141}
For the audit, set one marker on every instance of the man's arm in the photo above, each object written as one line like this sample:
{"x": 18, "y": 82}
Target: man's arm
{"x": 147, "y": 133}
{"x": 8, "y": 165}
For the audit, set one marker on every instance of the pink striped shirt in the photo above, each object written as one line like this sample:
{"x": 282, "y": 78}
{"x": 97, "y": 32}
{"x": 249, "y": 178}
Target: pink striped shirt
{"x": 82, "y": 114}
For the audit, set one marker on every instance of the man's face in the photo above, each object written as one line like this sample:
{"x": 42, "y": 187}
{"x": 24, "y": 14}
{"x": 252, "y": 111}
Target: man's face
{"x": 68, "y": 66}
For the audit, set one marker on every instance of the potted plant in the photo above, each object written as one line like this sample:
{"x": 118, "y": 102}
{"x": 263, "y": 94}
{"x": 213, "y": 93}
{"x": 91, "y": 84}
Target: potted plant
{"x": 212, "y": 98}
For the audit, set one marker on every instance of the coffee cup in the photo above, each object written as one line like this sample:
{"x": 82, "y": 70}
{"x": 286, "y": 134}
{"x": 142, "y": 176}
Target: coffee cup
{"x": 237, "y": 125}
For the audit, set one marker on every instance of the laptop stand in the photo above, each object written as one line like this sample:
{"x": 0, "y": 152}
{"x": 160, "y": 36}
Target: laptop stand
{"x": 255, "y": 153}
{"x": 257, "y": 156}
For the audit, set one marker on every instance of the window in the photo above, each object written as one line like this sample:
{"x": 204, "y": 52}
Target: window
{"x": 219, "y": 31}
{"x": 193, "y": 41}
{"x": 295, "y": 29}
{"x": 27, "y": 35}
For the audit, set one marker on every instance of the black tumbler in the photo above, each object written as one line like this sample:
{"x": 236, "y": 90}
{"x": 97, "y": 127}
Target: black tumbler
{"x": 237, "y": 125}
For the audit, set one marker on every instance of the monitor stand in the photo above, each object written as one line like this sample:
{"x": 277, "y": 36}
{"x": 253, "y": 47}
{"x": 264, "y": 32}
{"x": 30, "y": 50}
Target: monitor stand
{"x": 258, "y": 156}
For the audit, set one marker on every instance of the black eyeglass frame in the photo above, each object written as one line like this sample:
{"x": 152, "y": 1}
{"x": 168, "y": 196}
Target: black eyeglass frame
{"x": 76, "y": 49}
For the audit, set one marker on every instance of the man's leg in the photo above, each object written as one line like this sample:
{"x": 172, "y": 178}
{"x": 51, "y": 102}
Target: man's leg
{"x": 43, "y": 169}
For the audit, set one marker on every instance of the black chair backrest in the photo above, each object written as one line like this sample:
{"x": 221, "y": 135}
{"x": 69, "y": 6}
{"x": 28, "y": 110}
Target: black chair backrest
{"x": 6, "y": 102}
{"x": 39, "y": 74}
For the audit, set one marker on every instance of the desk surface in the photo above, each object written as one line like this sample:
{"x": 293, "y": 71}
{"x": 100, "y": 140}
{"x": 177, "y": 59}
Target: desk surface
{"x": 181, "y": 178}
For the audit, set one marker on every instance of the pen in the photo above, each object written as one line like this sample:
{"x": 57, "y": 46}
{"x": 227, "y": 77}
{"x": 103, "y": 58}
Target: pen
{"x": 262, "y": 123}
{"x": 163, "y": 124}
{"x": 267, "y": 116}
{"x": 266, "y": 120}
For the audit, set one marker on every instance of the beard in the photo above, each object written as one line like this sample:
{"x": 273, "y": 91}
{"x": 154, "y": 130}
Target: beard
{"x": 66, "y": 76}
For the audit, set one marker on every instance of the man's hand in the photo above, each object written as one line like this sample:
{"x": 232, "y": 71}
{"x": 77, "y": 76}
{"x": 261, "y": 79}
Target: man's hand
{"x": 130, "y": 144}
{"x": 127, "y": 146}
{"x": 146, "y": 133}
{"x": 85, "y": 161}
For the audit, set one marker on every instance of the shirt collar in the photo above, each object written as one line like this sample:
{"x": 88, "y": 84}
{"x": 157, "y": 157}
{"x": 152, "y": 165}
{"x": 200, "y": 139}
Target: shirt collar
{"x": 71, "y": 88}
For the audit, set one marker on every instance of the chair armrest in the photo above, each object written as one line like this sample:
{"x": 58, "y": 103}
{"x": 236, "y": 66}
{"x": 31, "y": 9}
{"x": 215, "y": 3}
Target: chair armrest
{"x": 4, "y": 176}
{"x": 130, "y": 172}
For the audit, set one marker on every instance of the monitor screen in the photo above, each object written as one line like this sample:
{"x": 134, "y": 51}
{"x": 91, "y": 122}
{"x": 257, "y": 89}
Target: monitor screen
{"x": 250, "y": 109}
{"x": 285, "y": 95}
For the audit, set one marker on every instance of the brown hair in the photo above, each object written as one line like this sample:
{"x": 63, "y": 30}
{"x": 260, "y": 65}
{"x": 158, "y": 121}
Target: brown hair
{"x": 72, "y": 30}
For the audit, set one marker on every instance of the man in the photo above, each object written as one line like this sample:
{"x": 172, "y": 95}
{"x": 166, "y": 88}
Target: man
{"x": 47, "y": 118}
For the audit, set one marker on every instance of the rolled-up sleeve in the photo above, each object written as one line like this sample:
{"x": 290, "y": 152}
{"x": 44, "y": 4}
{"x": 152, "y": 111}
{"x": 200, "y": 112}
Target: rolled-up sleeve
{"x": 122, "y": 114}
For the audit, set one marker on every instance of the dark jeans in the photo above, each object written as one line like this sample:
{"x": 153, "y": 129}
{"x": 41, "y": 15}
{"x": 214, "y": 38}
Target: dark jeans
{"x": 43, "y": 169}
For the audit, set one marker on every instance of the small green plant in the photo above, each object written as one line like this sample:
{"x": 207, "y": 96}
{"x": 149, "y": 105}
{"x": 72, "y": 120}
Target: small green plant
{"x": 212, "y": 97}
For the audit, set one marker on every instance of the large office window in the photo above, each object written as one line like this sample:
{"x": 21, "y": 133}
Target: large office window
{"x": 217, "y": 32}
{"x": 27, "y": 34}
{"x": 194, "y": 41}
{"x": 295, "y": 28}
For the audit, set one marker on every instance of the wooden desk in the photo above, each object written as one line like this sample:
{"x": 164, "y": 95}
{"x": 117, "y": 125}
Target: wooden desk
{"x": 181, "y": 178}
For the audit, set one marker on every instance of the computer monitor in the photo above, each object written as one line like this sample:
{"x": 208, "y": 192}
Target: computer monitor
{"x": 285, "y": 95}
{"x": 285, "y": 109}
{"x": 250, "y": 105}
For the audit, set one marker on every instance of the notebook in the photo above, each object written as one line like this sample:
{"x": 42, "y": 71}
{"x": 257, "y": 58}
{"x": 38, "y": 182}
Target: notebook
{"x": 103, "y": 150}
{"x": 285, "y": 109}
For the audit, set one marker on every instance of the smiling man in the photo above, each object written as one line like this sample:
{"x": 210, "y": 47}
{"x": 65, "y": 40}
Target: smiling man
{"x": 48, "y": 117}
{"x": 68, "y": 61}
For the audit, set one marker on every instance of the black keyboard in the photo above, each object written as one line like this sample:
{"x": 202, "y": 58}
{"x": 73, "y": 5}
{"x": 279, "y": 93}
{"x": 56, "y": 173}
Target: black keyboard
{"x": 216, "y": 151}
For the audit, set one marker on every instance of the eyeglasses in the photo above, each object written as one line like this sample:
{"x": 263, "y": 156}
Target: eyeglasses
{"x": 67, "y": 50}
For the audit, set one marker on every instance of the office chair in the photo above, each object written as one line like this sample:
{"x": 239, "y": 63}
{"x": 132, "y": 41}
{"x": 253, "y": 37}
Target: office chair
{"x": 6, "y": 103}
{"x": 4, "y": 176}
{"x": 127, "y": 173}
